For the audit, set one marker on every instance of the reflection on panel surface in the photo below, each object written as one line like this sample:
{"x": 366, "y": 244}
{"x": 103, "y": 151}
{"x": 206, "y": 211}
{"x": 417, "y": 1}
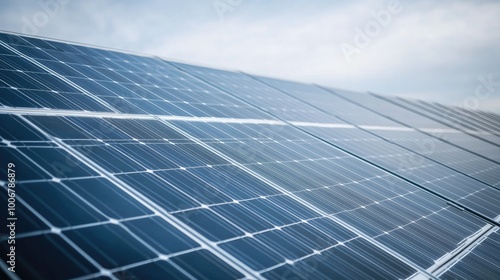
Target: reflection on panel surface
{"x": 132, "y": 167}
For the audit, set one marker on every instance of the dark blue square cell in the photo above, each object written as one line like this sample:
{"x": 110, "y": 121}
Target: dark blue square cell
{"x": 48, "y": 257}
{"x": 204, "y": 265}
{"x": 14, "y": 129}
{"x": 108, "y": 198}
{"x": 110, "y": 245}
{"x": 57, "y": 204}
{"x": 58, "y": 162}
{"x": 26, "y": 221}
{"x": 160, "y": 234}
{"x": 154, "y": 270}
{"x": 253, "y": 253}
{"x": 158, "y": 191}
{"x": 193, "y": 186}
{"x": 242, "y": 217}
{"x": 58, "y": 127}
{"x": 209, "y": 224}
{"x": 25, "y": 170}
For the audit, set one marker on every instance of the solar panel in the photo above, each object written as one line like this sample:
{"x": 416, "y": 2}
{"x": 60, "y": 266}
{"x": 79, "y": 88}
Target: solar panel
{"x": 132, "y": 167}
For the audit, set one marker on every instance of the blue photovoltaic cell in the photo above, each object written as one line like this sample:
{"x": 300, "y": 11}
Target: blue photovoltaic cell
{"x": 154, "y": 188}
{"x": 202, "y": 264}
{"x": 110, "y": 245}
{"x": 52, "y": 201}
{"x": 212, "y": 225}
{"x": 30, "y": 221}
{"x": 151, "y": 271}
{"x": 58, "y": 162}
{"x": 140, "y": 168}
{"x": 161, "y": 235}
{"x": 104, "y": 196}
{"x": 70, "y": 263}
{"x": 14, "y": 129}
{"x": 27, "y": 169}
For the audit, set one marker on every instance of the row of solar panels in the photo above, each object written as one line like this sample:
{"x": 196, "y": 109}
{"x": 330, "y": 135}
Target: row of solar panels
{"x": 132, "y": 167}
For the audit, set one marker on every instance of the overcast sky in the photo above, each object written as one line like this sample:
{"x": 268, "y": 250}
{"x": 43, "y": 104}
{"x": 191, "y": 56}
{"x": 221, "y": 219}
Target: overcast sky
{"x": 431, "y": 50}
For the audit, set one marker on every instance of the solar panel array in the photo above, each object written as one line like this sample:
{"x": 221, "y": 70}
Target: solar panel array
{"x": 133, "y": 167}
